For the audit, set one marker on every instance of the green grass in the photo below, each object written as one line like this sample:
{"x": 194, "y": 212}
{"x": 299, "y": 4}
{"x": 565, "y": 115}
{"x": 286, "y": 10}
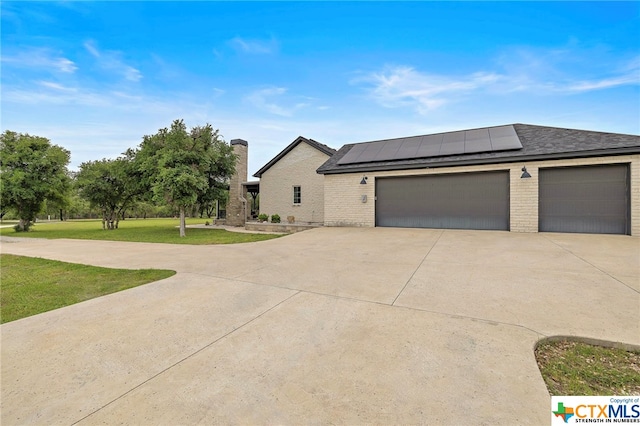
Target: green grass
{"x": 137, "y": 230}
{"x": 31, "y": 286}
{"x": 572, "y": 368}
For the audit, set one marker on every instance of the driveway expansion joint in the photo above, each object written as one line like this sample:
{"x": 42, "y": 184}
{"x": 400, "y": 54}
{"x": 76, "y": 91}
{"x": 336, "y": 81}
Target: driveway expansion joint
{"x": 191, "y": 355}
{"x": 418, "y": 267}
{"x": 591, "y": 264}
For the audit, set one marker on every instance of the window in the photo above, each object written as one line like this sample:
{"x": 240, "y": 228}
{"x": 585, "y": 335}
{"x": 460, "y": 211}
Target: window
{"x": 297, "y": 195}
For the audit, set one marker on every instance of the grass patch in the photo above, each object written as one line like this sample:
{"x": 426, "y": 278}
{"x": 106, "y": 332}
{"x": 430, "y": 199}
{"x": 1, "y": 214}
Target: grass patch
{"x": 137, "y": 230}
{"x": 574, "y": 368}
{"x": 33, "y": 285}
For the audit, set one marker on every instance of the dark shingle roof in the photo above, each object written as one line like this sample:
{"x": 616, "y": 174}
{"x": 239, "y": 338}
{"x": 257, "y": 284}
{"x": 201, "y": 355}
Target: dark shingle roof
{"x": 315, "y": 144}
{"x": 538, "y": 143}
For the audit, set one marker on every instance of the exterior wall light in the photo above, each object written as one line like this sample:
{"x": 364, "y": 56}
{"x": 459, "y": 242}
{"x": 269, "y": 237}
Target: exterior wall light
{"x": 525, "y": 173}
{"x": 363, "y": 181}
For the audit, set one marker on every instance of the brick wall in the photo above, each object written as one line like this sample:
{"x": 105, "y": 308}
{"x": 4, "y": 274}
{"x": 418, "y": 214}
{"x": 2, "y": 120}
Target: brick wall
{"x": 344, "y": 206}
{"x": 297, "y": 168}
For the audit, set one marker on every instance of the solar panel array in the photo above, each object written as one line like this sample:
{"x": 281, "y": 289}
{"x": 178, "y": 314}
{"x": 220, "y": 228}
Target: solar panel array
{"x": 489, "y": 139}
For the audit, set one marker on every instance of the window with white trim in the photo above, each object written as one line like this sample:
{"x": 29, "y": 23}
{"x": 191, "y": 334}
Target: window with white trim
{"x": 297, "y": 195}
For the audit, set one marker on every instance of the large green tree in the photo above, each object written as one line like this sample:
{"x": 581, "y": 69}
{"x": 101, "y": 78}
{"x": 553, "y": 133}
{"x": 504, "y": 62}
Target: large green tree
{"x": 184, "y": 166}
{"x": 32, "y": 170}
{"x": 110, "y": 185}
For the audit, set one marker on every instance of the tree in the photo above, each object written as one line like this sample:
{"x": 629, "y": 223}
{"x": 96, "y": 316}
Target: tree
{"x": 183, "y": 166}
{"x": 32, "y": 171}
{"x": 110, "y": 185}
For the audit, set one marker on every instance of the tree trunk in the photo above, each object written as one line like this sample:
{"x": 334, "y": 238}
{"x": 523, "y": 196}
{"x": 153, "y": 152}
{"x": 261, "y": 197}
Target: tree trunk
{"x": 61, "y": 217}
{"x": 183, "y": 224}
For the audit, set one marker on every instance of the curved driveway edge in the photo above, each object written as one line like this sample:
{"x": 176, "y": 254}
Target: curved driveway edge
{"x": 332, "y": 325}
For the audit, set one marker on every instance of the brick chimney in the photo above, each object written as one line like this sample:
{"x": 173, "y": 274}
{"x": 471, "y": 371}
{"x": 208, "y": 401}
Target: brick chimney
{"x": 237, "y": 206}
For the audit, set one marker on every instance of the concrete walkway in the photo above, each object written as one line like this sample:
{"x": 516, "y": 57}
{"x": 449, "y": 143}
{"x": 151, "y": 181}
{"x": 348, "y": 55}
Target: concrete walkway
{"x": 331, "y": 325}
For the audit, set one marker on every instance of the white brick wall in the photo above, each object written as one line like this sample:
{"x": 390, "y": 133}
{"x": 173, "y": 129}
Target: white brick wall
{"x": 297, "y": 168}
{"x": 344, "y": 206}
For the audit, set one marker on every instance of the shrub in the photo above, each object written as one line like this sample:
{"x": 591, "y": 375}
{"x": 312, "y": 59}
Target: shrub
{"x": 263, "y": 217}
{"x": 25, "y": 226}
{"x": 275, "y": 218}
{"x": 291, "y": 219}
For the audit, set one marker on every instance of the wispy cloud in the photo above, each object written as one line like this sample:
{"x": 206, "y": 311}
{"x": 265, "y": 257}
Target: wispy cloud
{"x": 112, "y": 61}
{"x": 627, "y": 75}
{"x": 264, "y": 99}
{"x": 405, "y": 86}
{"x": 57, "y": 86}
{"x": 41, "y": 58}
{"x": 253, "y": 45}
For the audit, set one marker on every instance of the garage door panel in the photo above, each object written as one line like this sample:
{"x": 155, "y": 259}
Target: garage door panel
{"x": 457, "y": 201}
{"x": 591, "y": 199}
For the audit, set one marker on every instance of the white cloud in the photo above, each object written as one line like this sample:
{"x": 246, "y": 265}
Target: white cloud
{"x": 42, "y": 59}
{"x": 111, "y": 60}
{"x": 543, "y": 74}
{"x": 263, "y": 99}
{"x": 89, "y": 45}
{"x": 254, "y": 46}
{"x": 57, "y": 86}
{"x": 629, "y": 74}
{"x": 405, "y": 86}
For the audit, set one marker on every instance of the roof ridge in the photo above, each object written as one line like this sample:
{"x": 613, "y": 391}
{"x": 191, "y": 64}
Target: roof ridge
{"x": 314, "y": 144}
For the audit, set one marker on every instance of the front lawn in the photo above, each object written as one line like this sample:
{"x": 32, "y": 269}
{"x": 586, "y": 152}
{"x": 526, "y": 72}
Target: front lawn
{"x": 138, "y": 230}
{"x": 573, "y": 368}
{"x": 33, "y": 285}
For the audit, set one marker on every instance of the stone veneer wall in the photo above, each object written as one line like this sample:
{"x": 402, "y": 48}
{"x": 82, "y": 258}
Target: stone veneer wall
{"x": 343, "y": 192}
{"x": 236, "y": 207}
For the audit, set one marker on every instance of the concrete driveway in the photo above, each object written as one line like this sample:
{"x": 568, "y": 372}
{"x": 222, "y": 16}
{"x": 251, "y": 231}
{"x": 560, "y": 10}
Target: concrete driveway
{"x": 332, "y": 325}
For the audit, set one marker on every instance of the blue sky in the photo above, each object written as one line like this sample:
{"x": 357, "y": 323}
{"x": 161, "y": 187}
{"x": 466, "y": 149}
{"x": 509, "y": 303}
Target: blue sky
{"x": 94, "y": 77}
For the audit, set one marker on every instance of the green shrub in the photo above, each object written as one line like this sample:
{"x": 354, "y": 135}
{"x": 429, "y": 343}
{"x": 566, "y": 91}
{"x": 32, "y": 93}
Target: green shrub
{"x": 275, "y": 218}
{"x": 263, "y": 217}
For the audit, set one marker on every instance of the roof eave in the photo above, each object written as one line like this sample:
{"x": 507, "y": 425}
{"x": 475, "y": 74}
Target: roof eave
{"x": 289, "y": 148}
{"x": 485, "y": 161}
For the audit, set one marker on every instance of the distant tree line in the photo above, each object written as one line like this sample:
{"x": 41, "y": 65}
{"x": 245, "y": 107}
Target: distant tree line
{"x": 175, "y": 172}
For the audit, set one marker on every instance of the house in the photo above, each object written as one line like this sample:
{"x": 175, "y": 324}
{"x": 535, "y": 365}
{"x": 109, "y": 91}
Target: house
{"x": 519, "y": 177}
{"x": 289, "y": 184}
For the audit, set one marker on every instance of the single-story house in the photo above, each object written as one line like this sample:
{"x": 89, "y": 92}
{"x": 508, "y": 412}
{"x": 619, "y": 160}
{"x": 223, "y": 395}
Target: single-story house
{"x": 518, "y": 177}
{"x": 289, "y": 184}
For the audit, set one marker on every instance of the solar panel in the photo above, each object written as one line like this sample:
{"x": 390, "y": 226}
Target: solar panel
{"x": 488, "y": 139}
{"x": 353, "y": 154}
{"x": 370, "y": 152}
{"x": 477, "y": 140}
{"x": 409, "y": 147}
{"x": 452, "y": 143}
{"x": 502, "y": 131}
{"x": 429, "y": 146}
{"x": 389, "y": 150}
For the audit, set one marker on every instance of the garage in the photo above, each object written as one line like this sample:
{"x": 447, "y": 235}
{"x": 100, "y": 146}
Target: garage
{"x": 590, "y": 199}
{"x": 446, "y": 201}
